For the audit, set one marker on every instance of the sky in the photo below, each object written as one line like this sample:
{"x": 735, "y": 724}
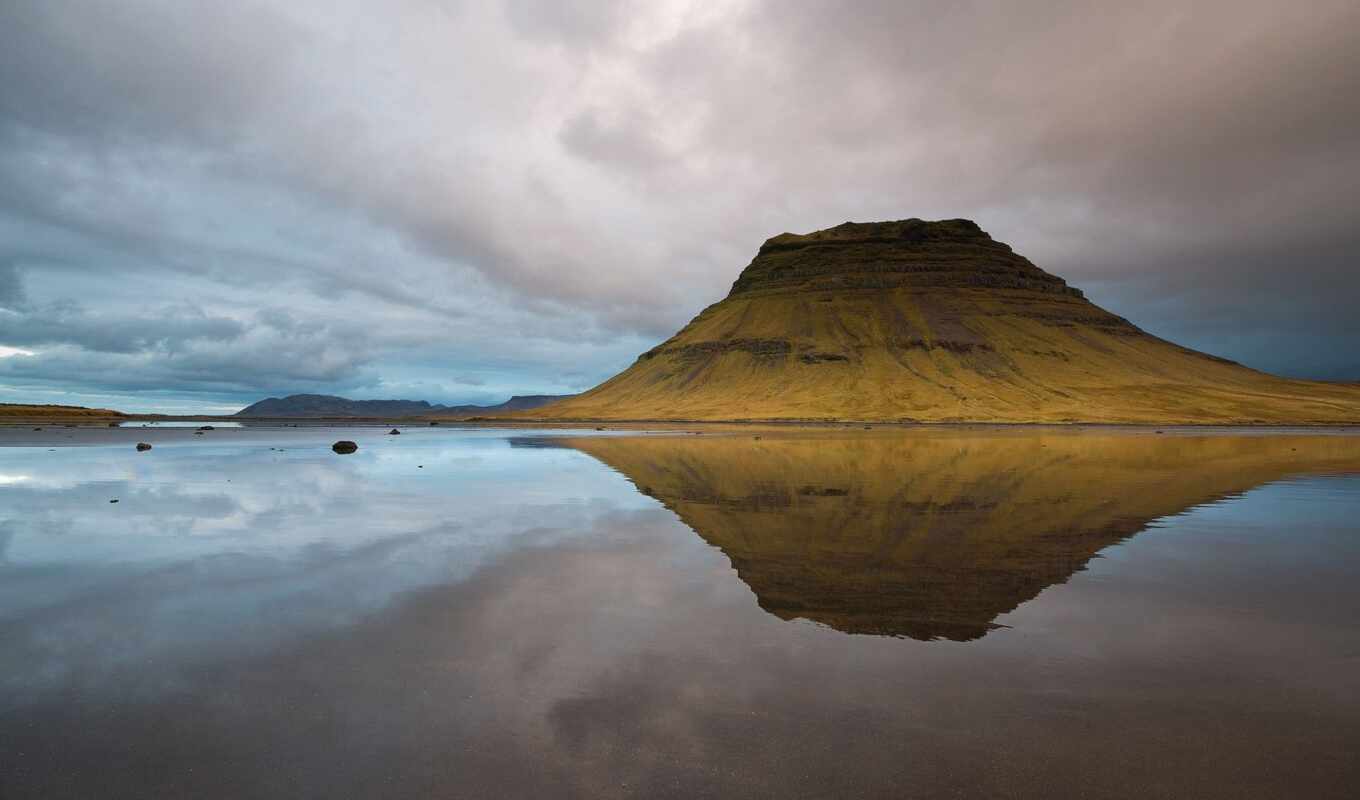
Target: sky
{"x": 205, "y": 203}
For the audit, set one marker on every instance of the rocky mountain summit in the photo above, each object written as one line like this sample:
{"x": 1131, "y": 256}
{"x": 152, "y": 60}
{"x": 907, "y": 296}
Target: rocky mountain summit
{"x": 915, "y": 320}
{"x": 882, "y": 255}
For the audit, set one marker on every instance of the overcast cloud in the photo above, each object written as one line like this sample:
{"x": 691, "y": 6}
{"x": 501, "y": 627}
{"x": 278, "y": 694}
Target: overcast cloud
{"x": 206, "y": 203}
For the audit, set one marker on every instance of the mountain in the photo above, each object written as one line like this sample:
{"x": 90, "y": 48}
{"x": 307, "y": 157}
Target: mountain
{"x": 932, "y": 321}
{"x": 935, "y": 534}
{"x": 520, "y": 402}
{"x": 321, "y": 405}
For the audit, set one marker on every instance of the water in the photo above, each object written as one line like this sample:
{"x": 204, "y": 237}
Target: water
{"x": 177, "y": 423}
{"x": 482, "y": 613}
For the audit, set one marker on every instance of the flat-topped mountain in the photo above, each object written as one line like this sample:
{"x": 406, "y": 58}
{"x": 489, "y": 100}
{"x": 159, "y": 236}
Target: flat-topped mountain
{"x": 931, "y": 321}
{"x": 322, "y": 405}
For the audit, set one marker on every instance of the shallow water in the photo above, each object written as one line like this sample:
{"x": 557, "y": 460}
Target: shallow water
{"x": 483, "y": 613}
{"x": 177, "y": 423}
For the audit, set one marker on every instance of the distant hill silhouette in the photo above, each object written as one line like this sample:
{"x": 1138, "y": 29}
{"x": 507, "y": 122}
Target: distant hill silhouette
{"x": 932, "y": 321}
{"x": 321, "y": 405}
{"x": 41, "y": 411}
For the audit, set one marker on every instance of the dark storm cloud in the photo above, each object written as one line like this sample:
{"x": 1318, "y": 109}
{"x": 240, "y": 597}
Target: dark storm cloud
{"x": 116, "y": 333}
{"x": 431, "y": 189}
{"x": 169, "y": 71}
{"x": 11, "y": 288}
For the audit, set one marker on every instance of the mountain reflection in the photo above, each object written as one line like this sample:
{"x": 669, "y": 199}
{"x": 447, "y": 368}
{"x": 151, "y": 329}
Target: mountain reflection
{"x": 934, "y": 534}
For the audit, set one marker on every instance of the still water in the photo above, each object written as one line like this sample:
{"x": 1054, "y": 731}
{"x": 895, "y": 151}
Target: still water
{"x": 512, "y": 613}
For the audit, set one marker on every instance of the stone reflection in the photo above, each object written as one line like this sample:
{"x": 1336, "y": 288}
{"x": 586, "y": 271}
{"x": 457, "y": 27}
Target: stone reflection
{"x": 933, "y": 535}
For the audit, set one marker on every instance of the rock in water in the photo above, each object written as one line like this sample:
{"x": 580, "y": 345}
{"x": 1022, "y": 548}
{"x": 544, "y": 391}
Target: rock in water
{"x": 344, "y": 447}
{"x": 394, "y": 432}
{"x": 931, "y": 321}
{"x": 143, "y": 446}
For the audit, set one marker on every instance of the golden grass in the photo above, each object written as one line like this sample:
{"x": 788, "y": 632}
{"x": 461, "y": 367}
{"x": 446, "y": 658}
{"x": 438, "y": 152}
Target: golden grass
{"x": 940, "y": 355}
{"x": 28, "y": 411}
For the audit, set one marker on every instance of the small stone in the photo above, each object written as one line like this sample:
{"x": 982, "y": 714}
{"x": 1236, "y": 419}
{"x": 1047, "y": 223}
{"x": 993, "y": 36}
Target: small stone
{"x": 344, "y": 447}
{"x": 394, "y": 432}
{"x": 143, "y": 446}
{"x": 207, "y": 428}
{"x": 114, "y": 500}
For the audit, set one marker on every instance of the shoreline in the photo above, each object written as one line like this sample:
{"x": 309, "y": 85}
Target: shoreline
{"x": 129, "y": 420}
{"x": 186, "y": 423}
{"x": 111, "y": 418}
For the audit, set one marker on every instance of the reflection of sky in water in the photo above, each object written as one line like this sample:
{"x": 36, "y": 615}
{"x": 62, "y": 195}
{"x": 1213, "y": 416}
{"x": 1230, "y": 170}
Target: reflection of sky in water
{"x": 213, "y": 499}
{"x": 178, "y": 423}
{"x": 214, "y": 546}
{"x": 443, "y": 613}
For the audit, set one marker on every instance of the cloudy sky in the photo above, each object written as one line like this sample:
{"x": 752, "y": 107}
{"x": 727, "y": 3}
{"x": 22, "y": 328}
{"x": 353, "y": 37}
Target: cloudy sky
{"x": 204, "y": 203}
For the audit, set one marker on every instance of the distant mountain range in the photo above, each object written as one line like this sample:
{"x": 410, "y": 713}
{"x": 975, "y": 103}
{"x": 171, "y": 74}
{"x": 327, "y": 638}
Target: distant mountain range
{"x": 321, "y": 405}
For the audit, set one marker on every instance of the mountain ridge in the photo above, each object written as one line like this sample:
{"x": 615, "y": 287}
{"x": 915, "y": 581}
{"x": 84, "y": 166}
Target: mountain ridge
{"x": 321, "y": 405}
